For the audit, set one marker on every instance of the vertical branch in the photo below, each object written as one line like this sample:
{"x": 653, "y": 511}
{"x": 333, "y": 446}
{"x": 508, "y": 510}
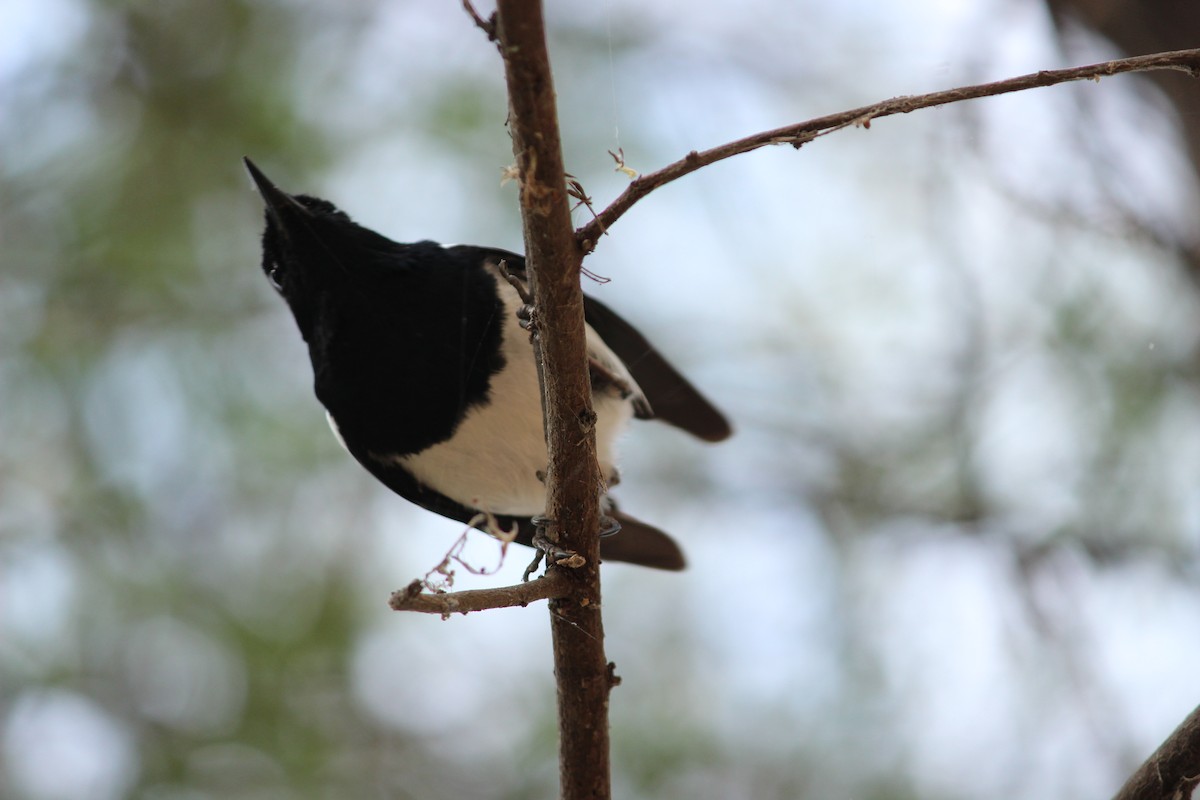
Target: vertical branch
{"x": 572, "y": 476}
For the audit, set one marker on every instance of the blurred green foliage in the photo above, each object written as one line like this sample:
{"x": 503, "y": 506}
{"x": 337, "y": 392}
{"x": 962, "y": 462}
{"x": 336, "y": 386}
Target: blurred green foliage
{"x": 151, "y": 431}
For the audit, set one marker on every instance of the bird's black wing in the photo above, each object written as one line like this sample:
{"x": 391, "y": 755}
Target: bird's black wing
{"x": 672, "y": 397}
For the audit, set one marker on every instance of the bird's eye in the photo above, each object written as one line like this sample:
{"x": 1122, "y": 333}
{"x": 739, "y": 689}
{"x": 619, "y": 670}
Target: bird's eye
{"x": 274, "y": 277}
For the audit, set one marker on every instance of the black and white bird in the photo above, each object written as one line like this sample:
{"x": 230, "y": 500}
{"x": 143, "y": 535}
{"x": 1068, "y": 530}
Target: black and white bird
{"x": 429, "y": 380}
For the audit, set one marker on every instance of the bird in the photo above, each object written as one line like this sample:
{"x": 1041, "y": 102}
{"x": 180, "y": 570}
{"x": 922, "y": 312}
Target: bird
{"x": 425, "y": 368}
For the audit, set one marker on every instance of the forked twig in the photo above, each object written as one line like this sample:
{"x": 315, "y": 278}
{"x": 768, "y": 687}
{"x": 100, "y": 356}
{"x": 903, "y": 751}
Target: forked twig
{"x": 1187, "y": 61}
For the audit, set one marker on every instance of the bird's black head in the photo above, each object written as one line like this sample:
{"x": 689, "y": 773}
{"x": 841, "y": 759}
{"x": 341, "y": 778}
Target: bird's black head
{"x": 402, "y": 337}
{"x": 300, "y": 232}
{"x": 315, "y": 255}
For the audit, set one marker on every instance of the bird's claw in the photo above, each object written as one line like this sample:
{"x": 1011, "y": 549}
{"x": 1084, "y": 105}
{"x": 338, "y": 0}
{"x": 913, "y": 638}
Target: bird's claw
{"x": 560, "y": 556}
{"x": 608, "y": 525}
{"x": 527, "y": 317}
{"x": 545, "y": 548}
{"x": 538, "y": 555}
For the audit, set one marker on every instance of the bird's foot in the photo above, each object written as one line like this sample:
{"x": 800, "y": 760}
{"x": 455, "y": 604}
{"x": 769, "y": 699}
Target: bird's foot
{"x": 527, "y": 317}
{"x": 515, "y": 282}
{"x": 538, "y": 555}
{"x": 526, "y": 314}
{"x": 550, "y": 550}
{"x": 560, "y": 556}
{"x": 608, "y": 525}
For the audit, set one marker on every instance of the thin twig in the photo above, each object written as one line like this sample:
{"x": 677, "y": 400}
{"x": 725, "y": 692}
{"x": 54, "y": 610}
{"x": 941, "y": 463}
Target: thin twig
{"x": 1187, "y": 61}
{"x": 411, "y": 598}
{"x": 488, "y": 26}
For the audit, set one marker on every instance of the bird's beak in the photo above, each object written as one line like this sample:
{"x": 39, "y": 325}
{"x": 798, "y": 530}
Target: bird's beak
{"x": 277, "y": 201}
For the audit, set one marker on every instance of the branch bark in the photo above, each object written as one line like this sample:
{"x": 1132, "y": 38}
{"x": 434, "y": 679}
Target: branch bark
{"x": 413, "y": 598}
{"x": 1173, "y": 771}
{"x": 573, "y": 480}
{"x": 801, "y": 133}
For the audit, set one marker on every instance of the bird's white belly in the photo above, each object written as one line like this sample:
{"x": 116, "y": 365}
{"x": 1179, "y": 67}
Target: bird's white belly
{"x": 494, "y": 458}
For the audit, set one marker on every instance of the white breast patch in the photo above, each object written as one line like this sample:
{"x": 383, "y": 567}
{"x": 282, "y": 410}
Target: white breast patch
{"x": 493, "y": 459}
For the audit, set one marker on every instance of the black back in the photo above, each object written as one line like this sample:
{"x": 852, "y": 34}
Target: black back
{"x": 403, "y": 338}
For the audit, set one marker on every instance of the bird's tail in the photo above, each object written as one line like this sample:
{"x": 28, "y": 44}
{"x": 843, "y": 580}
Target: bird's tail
{"x": 639, "y": 543}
